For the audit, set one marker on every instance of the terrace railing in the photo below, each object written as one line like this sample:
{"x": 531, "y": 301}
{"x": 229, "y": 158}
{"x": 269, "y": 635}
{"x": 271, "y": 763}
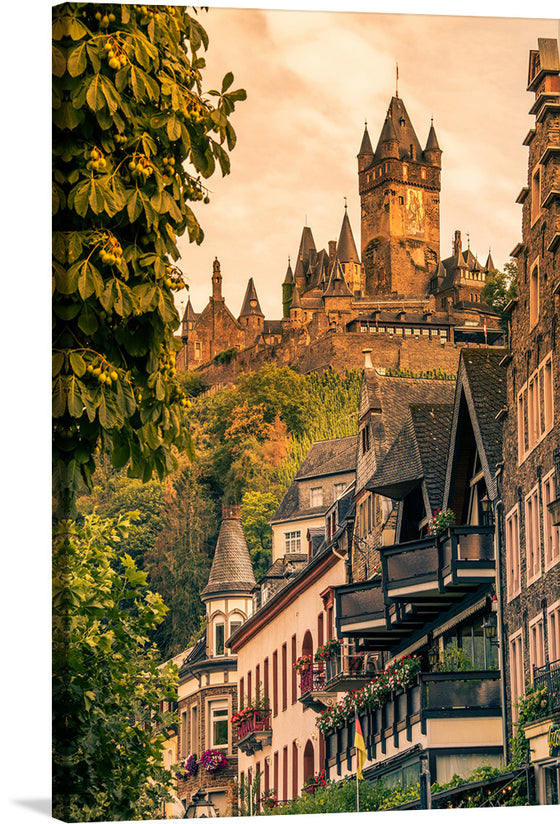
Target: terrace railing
{"x": 549, "y": 677}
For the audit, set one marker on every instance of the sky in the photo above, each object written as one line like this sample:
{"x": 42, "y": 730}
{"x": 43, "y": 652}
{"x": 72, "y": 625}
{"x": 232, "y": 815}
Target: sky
{"x": 312, "y": 80}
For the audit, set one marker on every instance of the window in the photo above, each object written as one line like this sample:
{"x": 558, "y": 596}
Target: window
{"x": 284, "y": 677}
{"x": 184, "y": 727}
{"x": 194, "y": 729}
{"x": 234, "y": 624}
{"x": 219, "y": 724}
{"x": 534, "y": 295}
{"x": 292, "y": 541}
{"x": 316, "y": 496}
{"x": 516, "y": 670}
{"x": 535, "y": 408}
{"x": 536, "y": 642}
{"x": 513, "y": 557}
{"x": 294, "y": 672}
{"x": 551, "y": 532}
{"x": 365, "y": 438}
{"x": 219, "y": 645}
{"x": 532, "y": 536}
{"x": 553, "y": 615}
{"x": 536, "y": 194}
{"x": 197, "y": 350}
{"x": 275, "y": 682}
{"x": 338, "y": 490}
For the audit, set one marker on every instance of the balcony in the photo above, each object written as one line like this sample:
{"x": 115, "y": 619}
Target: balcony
{"x": 467, "y": 555}
{"x": 361, "y": 611}
{"x": 549, "y": 678}
{"x": 349, "y": 670}
{"x": 255, "y": 732}
{"x": 425, "y": 713}
{"x": 312, "y": 692}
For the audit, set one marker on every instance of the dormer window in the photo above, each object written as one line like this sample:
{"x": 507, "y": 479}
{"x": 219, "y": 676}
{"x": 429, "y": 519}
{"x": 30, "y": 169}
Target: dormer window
{"x": 219, "y": 645}
{"x": 365, "y": 439}
{"x": 316, "y": 496}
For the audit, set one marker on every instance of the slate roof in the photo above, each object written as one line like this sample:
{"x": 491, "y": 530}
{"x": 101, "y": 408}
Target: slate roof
{"x": 404, "y": 133}
{"x": 305, "y": 246}
{"x": 337, "y": 282}
{"x": 432, "y": 142}
{"x": 346, "y": 248}
{"x": 366, "y": 147}
{"x": 418, "y": 452}
{"x": 251, "y": 295}
{"x": 334, "y": 456}
{"x": 487, "y": 383}
{"x": 231, "y": 569}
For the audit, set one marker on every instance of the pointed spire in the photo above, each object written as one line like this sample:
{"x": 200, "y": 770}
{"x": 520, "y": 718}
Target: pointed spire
{"x": 189, "y": 314}
{"x": 307, "y": 244}
{"x": 289, "y": 274}
{"x": 251, "y": 304}
{"x": 337, "y": 286}
{"x": 489, "y": 262}
{"x": 365, "y": 148}
{"x": 432, "y": 142}
{"x": 231, "y": 572}
{"x": 296, "y": 300}
{"x": 346, "y": 248}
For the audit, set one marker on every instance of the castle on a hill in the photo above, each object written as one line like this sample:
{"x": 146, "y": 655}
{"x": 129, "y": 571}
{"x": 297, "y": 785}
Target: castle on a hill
{"x": 410, "y": 302}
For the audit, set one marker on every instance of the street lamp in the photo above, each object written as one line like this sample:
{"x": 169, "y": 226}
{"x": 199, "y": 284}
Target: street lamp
{"x": 486, "y": 504}
{"x": 200, "y": 807}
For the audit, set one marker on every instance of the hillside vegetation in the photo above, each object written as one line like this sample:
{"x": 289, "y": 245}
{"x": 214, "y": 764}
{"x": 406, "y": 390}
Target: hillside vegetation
{"x": 249, "y": 442}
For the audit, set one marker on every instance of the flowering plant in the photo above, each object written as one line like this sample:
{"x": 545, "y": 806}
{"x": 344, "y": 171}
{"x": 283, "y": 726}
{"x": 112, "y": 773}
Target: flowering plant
{"x": 374, "y": 695}
{"x": 328, "y": 650}
{"x": 189, "y": 767}
{"x": 317, "y": 780}
{"x": 303, "y": 662}
{"x": 376, "y": 570}
{"x": 213, "y": 760}
{"x": 269, "y": 798}
{"x": 440, "y": 521}
{"x": 241, "y": 716}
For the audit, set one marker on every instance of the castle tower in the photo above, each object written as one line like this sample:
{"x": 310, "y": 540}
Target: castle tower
{"x": 188, "y": 321}
{"x": 287, "y": 291}
{"x": 228, "y": 593}
{"x": 216, "y": 281}
{"x": 297, "y": 316}
{"x": 306, "y": 249}
{"x": 348, "y": 256}
{"x": 399, "y": 187}
{"x": 251, "y": 317}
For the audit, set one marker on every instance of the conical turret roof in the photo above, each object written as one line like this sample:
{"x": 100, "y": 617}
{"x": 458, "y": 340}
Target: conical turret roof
{"x": 388, "y": 132}
{"x": 231, "y": 572}
{"x": 432, "y": 142}
{"x": 296, "y": 300}
{"x": 365, "y": 148}
{"x": 251, "y": 304}
{"x": 189, "y": 313}
{"x": 337, "y": 286}
{"x": 346, "y": 249}
{"x": 289, "y": 274}
{"x": 489, "y": 263}
{"x": 306, "y": 245}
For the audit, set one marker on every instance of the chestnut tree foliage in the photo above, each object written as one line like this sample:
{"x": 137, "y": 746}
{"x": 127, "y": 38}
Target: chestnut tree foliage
{"x": 134, "y": 138}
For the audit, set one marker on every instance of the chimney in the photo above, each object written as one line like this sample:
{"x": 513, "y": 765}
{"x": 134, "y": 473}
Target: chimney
{"x": 457, "y": 244}
{"x": 231, "y": 512}
{"x": 367, "y": 358}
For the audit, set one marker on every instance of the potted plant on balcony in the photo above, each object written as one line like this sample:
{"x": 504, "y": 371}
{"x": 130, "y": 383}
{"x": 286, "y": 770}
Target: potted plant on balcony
{"x": 269, "y": 799}
{"x": 213, "y": 760}
{"x": 440, "y": 521}
{"x": 314, "y": 782}
{"x": 303, "y": 663}
{"x": 328, "y": 650}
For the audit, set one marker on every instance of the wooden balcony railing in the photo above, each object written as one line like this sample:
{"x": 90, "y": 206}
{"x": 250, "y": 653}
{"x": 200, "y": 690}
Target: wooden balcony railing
{"x": 452, "y": 696}
{"x": 349, "y": 669}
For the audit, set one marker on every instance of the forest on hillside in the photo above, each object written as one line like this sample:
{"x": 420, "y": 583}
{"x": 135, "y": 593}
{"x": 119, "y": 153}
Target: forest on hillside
{"x": 249, "y": 442}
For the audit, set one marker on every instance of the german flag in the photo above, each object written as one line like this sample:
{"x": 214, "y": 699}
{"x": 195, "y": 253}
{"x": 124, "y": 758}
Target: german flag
{"x": 360, "y": 747}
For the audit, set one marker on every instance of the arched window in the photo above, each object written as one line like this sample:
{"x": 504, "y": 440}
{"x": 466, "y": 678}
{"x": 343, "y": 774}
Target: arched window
{"x": 307, "y": 644}
{"x": 308, "y": 761}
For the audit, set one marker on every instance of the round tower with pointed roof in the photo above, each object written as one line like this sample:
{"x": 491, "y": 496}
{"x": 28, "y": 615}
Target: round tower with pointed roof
{"x": 228, "y": 593}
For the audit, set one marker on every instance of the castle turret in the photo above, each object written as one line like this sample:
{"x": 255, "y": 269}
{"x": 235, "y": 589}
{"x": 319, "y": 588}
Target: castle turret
{"x": 228, "y": 593}
{"x": 216, "y": 281}
{"x": 296, "y": 309}
{"x": 251, "y": 317}
{"x": 306, "y": 249}
{"x": 432, "y": 152}
{"x": 365, "y": 155}
{"x": 348, "y": 256}
{"x": 287, "y": 291}
{"x": 188, "y": 321}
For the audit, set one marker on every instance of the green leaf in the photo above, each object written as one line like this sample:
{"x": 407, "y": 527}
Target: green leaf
{"x": 227, "y": 81}
{"x": 95, "y": 97}
{"x": 106, "y": 411}
{"x": 66, "y": 280}
{"x": 57, "y": 363}
{"x": 87, "y": 321}
{"x": 121, "y": 450}
{"x": 77, "y": 61}
{"x": 74, "y": 246}
{"x": 77, "y": 364}
{"x": 58, "y": 61}
{"x": 74, "y": 397}
{"x": 58, "y": 397}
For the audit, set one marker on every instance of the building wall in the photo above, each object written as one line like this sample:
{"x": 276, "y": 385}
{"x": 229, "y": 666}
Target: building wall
{"x": 534, "y": 336}
{"x": 294, "y": 725}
